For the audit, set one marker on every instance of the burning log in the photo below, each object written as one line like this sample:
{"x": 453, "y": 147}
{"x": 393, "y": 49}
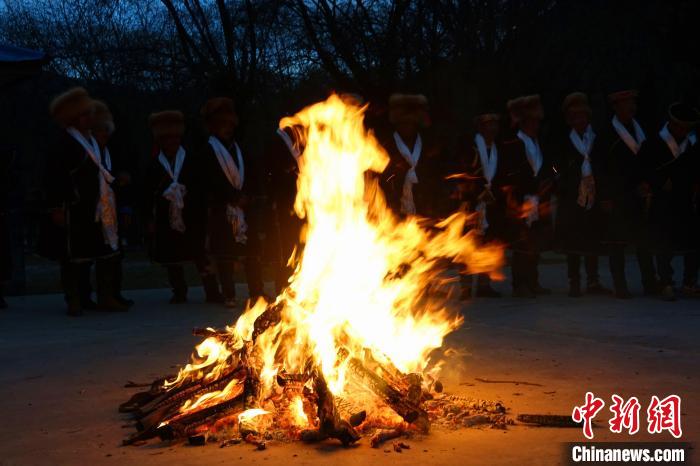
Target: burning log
{"x": 408, "y": 409}
{"x": 384, "y": 435}
{"x": 330, "y": 423}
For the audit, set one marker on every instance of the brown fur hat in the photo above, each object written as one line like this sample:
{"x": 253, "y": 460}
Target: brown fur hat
{"x": 574, "y": 103}
{"x": 684, "y": 115}
{"x": 67, "y": 107}
{"x": 409, "y": 108}
{"x": 484, "y": 118}
{"x": 624, "y": 94}
{"x": 166, "y": 123}
{"x": 524, "y": 107}
{"x": 103, "y": 118}
{"x": 216, "y": 109}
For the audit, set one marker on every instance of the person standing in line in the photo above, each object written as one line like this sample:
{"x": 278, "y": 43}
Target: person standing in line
{"x": 667, "y": 159}
{"x": 232, "y": 185}
{"x": 531, "y": 179}
{"x": 282, "y": 162}
{"x": 479, "y": 190}
{"x": 579, "y": 223}
{"x": 81, "y": 203}
{"x": 624, "y": 196}
{"x": 102, "y": 130}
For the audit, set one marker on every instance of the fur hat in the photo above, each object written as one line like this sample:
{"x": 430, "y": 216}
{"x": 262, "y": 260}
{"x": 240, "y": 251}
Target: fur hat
{"x": 483, "y": 118}
{"x": 214, "y": 109}
{"x": 168, "y": 122}
{"x": 576, "y": 102}
{"x": 683, "y": 114}
{"x": 67, "y": 107}
{"x": 408, "y": 108}
{"x": 621, "y": 95}
{"x": 524, "y": 107}
{"x": 103, "y": 119}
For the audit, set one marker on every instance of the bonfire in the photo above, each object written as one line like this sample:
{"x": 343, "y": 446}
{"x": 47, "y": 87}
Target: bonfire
{"x": 353, "y": 345}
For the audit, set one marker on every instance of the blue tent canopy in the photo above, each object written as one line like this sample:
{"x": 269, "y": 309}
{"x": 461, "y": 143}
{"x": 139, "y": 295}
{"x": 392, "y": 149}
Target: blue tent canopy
{"x": 12, "y": 54}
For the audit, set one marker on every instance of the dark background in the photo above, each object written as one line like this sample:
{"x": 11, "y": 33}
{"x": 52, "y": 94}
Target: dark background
{"x": 274, "y": 57}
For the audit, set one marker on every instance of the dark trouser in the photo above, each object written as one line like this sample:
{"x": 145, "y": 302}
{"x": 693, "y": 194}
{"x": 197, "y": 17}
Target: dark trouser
{"x": 663, "y": 262}
{"x": 524, "y": 269}
{"x": 176, "y": 277}
{"x": 590, "y": 262}
{"x": 75, "y": 280}
{"x": 253, "y": 273}
{"x": 208, "y": 276}
{"x": 646, "y": 267}
{"x": 691, "y": 264}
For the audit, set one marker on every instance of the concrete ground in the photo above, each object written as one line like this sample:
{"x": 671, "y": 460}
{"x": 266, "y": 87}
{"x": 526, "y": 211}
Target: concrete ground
{"x": 62, "y": 379}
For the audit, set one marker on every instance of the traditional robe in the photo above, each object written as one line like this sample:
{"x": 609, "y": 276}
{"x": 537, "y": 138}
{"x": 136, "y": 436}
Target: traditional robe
{"x": 477, "y": 192}
{"x": 617, "y": 184}
{"x": 168, "y": 245}
{"x": 73, "y": 184}
{"x": 220, "y": 194}
{"x": 5, "y": 183}
{"x": 431, "y": 192}
{"x": 281, "y": 187}
{"x": 521, "y": 183}
{"x": 578, "y": 229}
{"x": 672, "y": 224}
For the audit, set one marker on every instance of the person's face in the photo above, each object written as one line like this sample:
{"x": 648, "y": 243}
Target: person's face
{"x": 579, "y": 120}
{"x": 532, "y": 125}
{"x": 625, "y": 110}
{"x": 102, "y": 136}
{"x": 489, "y": 129}
{"x": 225, "y": 127}
{"x": 170, "y": 143}
{"x": 84, "y": 121}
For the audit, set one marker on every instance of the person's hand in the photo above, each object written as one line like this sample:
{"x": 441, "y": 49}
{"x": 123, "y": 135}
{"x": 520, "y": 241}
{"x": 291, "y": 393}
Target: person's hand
{"x": 58, "y": 217}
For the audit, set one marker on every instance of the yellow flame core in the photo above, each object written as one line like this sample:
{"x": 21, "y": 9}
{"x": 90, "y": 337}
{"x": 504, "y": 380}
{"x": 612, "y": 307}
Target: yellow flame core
{"x": 363, "y": 281}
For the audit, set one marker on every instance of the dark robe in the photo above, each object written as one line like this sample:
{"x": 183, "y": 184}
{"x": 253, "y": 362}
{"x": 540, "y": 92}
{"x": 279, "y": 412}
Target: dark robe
{"x": 283, "y": 225}
{"x": 672, "y": 225}
{"x": 6, "y": 158}
{"x": 473, "y": 188}
{"x": 73, "y": 184}
{"x": 168, "y": 246}
{"x": 431, "y": 195}
{"x": 219, "y": 193}
{"x": 518, "y": 181}
{"x": 577, "y": 230}
{"x": 617, "y": 191}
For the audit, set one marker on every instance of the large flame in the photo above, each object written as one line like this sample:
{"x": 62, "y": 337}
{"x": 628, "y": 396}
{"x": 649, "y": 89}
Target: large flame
{"x": 366, "y": 285}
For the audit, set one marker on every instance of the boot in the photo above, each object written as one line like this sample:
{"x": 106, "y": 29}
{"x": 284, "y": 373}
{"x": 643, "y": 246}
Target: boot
{"x": 487, "y": 292}
{"x": 668, "y": 294}
{"x": 539, "y": 289}
{"x": 105, "y": 272}
{"x": 575, "y": 289}
{"x": 623, "y": 293}
{"x": 524, "y": 292}
{"x": 211, "y": 289}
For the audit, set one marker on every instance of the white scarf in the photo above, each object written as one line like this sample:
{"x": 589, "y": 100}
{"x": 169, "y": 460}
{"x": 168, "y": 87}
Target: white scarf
{"x": 235, "y": 176}
{"x": 533, "y": 152}
{"x": 633, "y": 142}
{"x": 673, "y": 146}
{"x": 106, "y": 211}
{"x": 584, "y": 146}
{"x": 175, "y": 193}
{"x": 290, "y": 145}
{"x": 408, "y": 206}
{"x": 489, "y": 164}
{"x": 489, "y": 158}
{"x": 535, "y": 159}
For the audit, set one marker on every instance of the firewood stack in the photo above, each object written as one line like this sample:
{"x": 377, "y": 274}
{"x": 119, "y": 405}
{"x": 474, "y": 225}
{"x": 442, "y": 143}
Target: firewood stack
{"x": 211, "y": 404}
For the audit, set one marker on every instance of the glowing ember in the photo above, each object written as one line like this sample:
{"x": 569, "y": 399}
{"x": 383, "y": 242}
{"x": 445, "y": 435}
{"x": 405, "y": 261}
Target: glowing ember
{"x": 363, "y": 312}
